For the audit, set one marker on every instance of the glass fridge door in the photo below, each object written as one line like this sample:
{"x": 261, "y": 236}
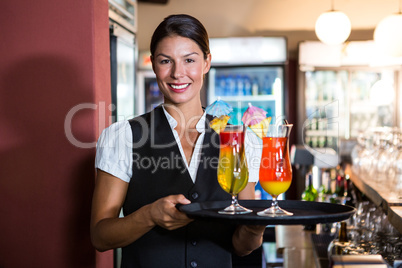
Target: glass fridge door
{"x": 262, "y": 86}
{"x": 372, "y": 100}
{"x": 123, "y": 72}
{"x": 341, "y": 103}
{"x": 324, "y": 99}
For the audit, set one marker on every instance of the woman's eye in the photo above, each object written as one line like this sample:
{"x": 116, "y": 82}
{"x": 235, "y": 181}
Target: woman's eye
{"x": 189, "y": 60}
{"x": 165, "y": 61}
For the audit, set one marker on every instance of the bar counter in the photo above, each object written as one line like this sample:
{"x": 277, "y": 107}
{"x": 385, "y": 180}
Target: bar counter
{"x": 294, "y": 244}
{"x": 379, "y": 195}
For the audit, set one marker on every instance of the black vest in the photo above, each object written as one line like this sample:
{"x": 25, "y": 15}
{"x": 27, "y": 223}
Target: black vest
{"x": 159, "y": 171}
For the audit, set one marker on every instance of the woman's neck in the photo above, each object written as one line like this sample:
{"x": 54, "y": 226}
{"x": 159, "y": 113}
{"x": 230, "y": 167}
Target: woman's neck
{"x": 187, "y": 115}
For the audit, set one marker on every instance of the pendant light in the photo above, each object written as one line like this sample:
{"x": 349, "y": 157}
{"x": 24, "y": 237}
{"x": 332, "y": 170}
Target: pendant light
{"x": 388, "y": 34}
{"x": 333, "y": 27}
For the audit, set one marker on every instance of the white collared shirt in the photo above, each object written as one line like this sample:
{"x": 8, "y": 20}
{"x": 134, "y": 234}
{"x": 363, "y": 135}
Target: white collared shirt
{"x": 114, "y": 150}
{"x": 195, "y": 159}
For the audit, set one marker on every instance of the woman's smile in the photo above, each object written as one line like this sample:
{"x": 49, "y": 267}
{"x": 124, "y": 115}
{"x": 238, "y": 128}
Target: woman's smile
{"x": 178, "y": 88}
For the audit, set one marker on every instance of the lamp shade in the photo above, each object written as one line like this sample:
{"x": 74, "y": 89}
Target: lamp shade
{"x": 333, "y": 27}
{"x": 388, "y": 35}
{"x": 382, "y": 93}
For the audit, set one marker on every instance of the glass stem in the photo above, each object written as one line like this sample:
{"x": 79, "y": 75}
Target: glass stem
{"x": 234, "y": 200}
{"x": 274, "y": 201}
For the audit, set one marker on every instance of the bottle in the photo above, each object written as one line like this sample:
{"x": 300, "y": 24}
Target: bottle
{"x": 340, "y": 186}
{"x": 349, "y": 193}
{"x": 310, "y": 193}
{"x": 266, "y": 86}
{"x": 323, "y": 188}
{"x": 314, "y": 142}
{"x": 339, "y": 245}
{"x": 230, "y": 86}
{"x": 322, "y": 142}
{"x": 220, "y": 86}
{"x": 247, "y": 86}
{"x": 313, "y": 123}
{"x": 239, "y": 85}
{"x": 322, "y": 123}
{"x": 317, "y": 122}
{"x": 330, "y": 143}
{"x": 255, "y": 87}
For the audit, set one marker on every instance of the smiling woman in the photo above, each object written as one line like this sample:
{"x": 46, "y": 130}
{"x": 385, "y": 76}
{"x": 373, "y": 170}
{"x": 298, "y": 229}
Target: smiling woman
{"x": 151, "y": 163}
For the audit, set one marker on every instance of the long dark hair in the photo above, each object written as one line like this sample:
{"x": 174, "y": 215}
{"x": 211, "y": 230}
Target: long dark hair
{"x": 182, "y": 25}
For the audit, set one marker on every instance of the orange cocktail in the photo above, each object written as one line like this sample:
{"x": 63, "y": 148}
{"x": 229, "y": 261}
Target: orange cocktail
{"x": 275, "y": 168}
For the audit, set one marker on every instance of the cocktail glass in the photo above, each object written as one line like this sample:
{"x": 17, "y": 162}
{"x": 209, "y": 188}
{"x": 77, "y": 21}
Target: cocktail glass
{"x": 275, "y": 168}
{"x": 232, "y": 166}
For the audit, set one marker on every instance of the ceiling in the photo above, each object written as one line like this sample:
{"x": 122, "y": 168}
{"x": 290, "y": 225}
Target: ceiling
{"x": 294, "y": 19}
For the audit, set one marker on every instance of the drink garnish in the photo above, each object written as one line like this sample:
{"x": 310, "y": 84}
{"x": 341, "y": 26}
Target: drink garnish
{"x": 219, "y": 123}
{"x": 261, "y": 128}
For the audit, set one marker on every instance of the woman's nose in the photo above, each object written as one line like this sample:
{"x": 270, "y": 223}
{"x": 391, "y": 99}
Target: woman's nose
{"x": 177, "y": 71}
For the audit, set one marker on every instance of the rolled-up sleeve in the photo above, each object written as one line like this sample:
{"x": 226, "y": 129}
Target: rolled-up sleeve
{"x": 114, "y": 151}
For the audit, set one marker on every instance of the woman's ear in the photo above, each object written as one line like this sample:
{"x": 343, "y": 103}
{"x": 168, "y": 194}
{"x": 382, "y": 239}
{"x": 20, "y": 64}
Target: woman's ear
{"x": 207, "y": 63}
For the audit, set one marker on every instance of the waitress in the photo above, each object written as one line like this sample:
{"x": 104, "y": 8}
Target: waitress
{"x": 151, "y": 163}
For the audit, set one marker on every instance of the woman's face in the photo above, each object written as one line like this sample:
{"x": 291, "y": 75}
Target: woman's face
{"x": 179, "y": 65}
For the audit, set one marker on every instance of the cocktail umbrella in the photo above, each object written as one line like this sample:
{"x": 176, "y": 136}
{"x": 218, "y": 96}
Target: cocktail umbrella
{"x": 219, "y": 108}
{"x": 261, "y": 128}
{"x": 253, "y": 115}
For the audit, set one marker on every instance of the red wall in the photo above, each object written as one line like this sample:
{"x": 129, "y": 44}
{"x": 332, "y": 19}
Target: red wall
{"x": 54, "y": 57}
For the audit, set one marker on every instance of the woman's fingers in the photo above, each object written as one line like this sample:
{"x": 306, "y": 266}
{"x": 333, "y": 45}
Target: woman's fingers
{"x": 165, "y": 214}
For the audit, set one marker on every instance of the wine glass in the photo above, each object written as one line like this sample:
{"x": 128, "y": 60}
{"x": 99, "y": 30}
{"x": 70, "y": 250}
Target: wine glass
{"x": 275, "y": 167}
{"x": 232, "y": 166}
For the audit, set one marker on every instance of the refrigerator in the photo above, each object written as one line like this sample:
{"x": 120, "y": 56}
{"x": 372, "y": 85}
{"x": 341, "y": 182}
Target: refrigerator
{"x": 123, "y": 58}
{"x": 345, "y": 90}
{"x": 248, "y": 70}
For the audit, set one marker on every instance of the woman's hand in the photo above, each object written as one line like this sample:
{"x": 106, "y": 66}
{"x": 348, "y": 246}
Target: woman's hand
{"x": 248, "y": 238}
{"x": 164, "y": 213}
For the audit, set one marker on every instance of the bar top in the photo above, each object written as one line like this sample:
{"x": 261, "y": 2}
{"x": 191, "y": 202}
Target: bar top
{"x": 295, "y": 244}
{"x": 380, "y": 196}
